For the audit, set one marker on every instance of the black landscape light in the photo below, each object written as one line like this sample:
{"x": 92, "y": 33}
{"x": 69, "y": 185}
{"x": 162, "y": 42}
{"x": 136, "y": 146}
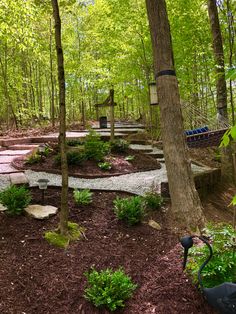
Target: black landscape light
{"x": 153, "y": 93}
{"x": 43, "y": 185}
{"x": 221, "y": 297}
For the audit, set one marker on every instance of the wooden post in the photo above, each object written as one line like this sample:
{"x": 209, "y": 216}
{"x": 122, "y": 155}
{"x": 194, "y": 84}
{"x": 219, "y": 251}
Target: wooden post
{"x": 112, "y": 115}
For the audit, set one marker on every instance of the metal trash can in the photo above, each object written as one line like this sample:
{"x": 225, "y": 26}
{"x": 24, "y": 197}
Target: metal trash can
{"x": 103, "y": 122}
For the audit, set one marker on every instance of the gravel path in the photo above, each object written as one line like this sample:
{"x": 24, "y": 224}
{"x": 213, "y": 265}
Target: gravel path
{"x": 137, "y": 183}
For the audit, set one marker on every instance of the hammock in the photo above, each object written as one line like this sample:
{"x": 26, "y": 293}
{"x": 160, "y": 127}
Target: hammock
{"x": 205, "y": 139}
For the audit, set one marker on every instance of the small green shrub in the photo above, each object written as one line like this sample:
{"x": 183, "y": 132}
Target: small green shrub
{"x": 74, "y": 143}
{"x": 73, "y": 158}
{"x": 83, "y": 197}
{"x": 109, "y": 288}
{"x": 131, "y": 210}
{"x": 119, "y": 146}
{"x": 33, "y": 159}
{"x": 222, "y": 266}
{"x": 94, "y": 147}
{"x": 129, "y": 158}
{"x": 15, "y": 199}
{"x": 105, "y": 165}
{"x": 59, "y": 240}
{"x": 153, "y": 200}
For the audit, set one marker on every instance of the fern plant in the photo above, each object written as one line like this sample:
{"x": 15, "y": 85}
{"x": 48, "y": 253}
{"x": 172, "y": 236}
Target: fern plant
{"x": 83, "y": 197}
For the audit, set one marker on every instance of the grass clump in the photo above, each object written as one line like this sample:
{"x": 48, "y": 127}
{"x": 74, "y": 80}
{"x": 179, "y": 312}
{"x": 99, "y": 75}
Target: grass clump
{"x": 62, "y": 241}
{"x": 131, "y": 210}
{"x": 109, "y": 288}
{"x": 129, "y": 158}
{"x": 222, "y": 266}
{"x": 15, "y": 199}
{"x": 74, "y": 143}
{"x": 105, "y": 165}
{"x": 153, "y": 200}
{"x": 33, "y": 159}
{"x": 83, "y": 197}
{"x": 119, "y": 146}
{"x": 95, "y": 148}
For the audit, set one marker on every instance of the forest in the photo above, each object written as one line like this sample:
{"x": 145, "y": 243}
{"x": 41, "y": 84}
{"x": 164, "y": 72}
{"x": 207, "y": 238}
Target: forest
{"x": 117, "y": 156}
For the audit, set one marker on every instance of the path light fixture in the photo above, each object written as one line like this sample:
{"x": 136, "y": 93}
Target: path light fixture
{"x": 43, "y": 185}
{"x": 221, "y": 297}
{"x": 153, "y": 94}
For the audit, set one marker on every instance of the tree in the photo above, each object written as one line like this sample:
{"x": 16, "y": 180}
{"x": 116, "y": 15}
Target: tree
{"x": 63, "y": 225}
{"x": 186, "y": 205}
{"x": 219, "y": 59}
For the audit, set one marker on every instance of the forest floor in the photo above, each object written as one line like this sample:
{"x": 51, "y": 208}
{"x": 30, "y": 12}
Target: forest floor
{"x": 38, "y": 278}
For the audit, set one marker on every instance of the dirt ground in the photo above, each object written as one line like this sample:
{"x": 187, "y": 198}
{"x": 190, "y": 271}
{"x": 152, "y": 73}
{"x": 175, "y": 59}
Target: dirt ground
{"x": 38, "y": 278}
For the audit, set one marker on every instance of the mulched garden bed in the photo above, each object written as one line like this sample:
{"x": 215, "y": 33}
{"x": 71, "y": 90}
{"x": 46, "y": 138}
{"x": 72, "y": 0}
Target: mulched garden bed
{"x": 38, "y": 278}
{"x": 90, "y": 169}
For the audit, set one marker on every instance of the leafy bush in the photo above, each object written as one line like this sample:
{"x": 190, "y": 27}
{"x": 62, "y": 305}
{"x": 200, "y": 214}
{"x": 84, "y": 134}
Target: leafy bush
{"x": 73, "y": 158}
{"x": 131, "y": 210}
{"x": 74, "y": 143}
{"x": 83, "y": 197}
{"x": 222, "y": 266}
{"x": 109, "y": 288}
{"x": 95, "y": 148}
{"x": 33, "y": 159}
{"x": 105, "y": 165}
{"x": 59, "y": 240}
{"x": 15, "y": 199}
{"x": 153, "y": 200}
{"x": 119, "y": 146}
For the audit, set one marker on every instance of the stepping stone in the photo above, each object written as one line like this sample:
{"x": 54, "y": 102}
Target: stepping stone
{"x": 162, "y": 160}
{"x": 6, "y": 159}
{"x": 2, "y": 208}
{"x": 9, "y": 152}
{"x": 6, "y": 168}
{"x": 154, "y": 224}
{"x": 155, "y": 154}
{"x": 23, "y": 147}
{"x": 143, "y": 148}
{"x": 13, "y": 141}
{"x": 18, "y": 178}
{"x": 41, "y": 212}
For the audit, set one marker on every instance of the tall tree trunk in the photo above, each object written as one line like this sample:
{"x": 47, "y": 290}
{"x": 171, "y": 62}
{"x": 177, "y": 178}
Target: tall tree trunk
{"x": 63, "y": 225}
{"x": 219, "y": 59}
{"x": 186, "y": 206}
{"x": 52, "y": 111}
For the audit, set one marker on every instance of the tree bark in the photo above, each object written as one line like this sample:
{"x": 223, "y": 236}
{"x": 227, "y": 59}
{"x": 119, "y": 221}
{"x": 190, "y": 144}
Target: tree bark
{"x": 186, "y": 206}
{"x": 219, "y": 59}
{"x": 51, "y": 78}
{"x": 63, "y": 224}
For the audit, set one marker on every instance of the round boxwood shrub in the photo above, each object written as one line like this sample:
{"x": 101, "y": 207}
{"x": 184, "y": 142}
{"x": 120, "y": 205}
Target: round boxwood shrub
{"x": 109, "y": 288}
{"x": 15, "y": 199}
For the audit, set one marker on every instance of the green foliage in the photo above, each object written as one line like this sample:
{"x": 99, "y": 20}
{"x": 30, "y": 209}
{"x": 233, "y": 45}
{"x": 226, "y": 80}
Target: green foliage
{"x": 119, "y": 146}
{"x": 109, "y": 288}
{"x": 131, "y": 210}
{"x": 83, "y": 197}
{"x": 74, "y": 143}
{"x": 15, "y": 199}
{"x": 62, "y": 241}
{"x": 129, "y": 158}
{"x": 33, "y": 159}
{"x": 94, "y": 147}
{"x": 222, "y": 266}
{"x": 231, "y": 74}
{"x": 73, "y": 158}
{"x": 153, "y": 200}
{"x": 105, "y": 165}
{"x": 228, "y": 136}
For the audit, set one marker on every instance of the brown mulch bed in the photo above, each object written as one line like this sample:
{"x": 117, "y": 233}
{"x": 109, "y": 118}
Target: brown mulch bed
{"x": 38, "y": 278}
{"x": 90, "y": 169}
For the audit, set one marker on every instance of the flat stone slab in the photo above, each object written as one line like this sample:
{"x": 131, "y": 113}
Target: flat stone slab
{"x": 154, "y": 224}
{"x": 41, "y": 212}
{"x": 23, "y": 147}
{"x": 18, "y": 178}
{"x": 9, "y": 152}
{"x": 6, "y": 168}
{"x": 6, "y": 159}
{"x": 2, "y": 208}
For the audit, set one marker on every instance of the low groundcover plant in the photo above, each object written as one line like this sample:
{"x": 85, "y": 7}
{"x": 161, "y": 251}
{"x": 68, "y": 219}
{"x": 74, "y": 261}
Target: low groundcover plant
{"x": 109, "y": 288}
